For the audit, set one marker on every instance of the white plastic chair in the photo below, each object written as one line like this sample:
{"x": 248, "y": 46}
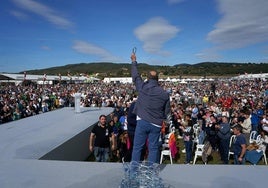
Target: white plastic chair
{"x": 252, "y": 137}
{"x": 196, "y": 131}
{"x": 259, "y": 141}
{"x": 198, "y": 152}
{"x": 199, "y": 147}
{"x": 232, "y": 139}
{"x": 166, "y": 150}
{"x": 264, "y": 157}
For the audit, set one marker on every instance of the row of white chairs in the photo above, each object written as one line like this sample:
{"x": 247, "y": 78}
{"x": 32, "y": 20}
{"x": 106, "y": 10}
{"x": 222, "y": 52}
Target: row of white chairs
{"x": 199, "y": 147}
{"x": 254, "y": 137}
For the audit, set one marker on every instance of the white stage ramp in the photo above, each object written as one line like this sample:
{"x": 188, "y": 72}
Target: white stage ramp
{"x": 36, "y": 136}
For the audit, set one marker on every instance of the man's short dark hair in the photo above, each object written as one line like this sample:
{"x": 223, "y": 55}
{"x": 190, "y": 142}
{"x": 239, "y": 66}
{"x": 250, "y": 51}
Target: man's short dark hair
{"x": 238, "y": 127}
{"x": 152, "y": 75}
{"x": 102, "y": 116}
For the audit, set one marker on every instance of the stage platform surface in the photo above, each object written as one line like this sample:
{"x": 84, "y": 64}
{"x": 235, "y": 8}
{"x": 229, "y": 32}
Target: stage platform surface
{"x": 25, "y": 141}
{"x": 33, "y": 137}
{"x": 21, "y": 173}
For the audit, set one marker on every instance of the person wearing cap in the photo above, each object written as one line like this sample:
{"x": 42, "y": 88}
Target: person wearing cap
{"x": 239, "y": 145}
{"x": 152, "y": 108}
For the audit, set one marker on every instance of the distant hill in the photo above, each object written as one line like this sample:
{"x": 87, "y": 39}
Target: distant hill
{"x": 204, "y": 69}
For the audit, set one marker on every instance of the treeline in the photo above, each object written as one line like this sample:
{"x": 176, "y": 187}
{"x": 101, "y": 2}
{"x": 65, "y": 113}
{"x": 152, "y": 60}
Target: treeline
{"x": 204, "y": 69}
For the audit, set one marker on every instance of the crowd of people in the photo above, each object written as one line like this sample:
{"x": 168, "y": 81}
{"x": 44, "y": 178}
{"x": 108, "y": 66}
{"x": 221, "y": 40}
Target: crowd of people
{"x": 218, "y": 106}
{"x": 20, "y": 101}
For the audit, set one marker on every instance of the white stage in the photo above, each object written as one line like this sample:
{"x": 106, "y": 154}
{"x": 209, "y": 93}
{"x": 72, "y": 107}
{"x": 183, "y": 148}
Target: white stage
{"x": 25, "y": 141}
{"x": 35, "y": 136}
{"x": 63, "y": 174}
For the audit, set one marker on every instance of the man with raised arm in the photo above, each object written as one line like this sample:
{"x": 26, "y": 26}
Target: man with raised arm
{"x": 152, "y": 108}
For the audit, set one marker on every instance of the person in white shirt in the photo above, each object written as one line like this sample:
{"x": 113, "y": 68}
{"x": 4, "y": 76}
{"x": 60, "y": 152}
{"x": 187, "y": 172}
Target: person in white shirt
{"x": 264, "y": 123}
{"x": 246, "y": 124}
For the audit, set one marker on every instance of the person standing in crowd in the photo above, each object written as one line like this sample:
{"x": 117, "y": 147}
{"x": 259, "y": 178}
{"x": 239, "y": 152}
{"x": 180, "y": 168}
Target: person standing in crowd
{"x": 124, "y": 147}
{"x": 246, "y": 125}
{"x": 211, "y": 132}
{"x": 264, "y": 141}
{"x": 131, "y": 123}
{"x": 117, "y": 127}
{"x": 194, "y": 114}
{"x": 187, "y": 128}
{"x": 152, "y": 108}
{"x": 255, "y": 120}
{"x": 118, "y": 111}
{"x": 264, "y": 123}
{"x": 224, "y": 134}
{"x": 239, "y": 145}
{"x": 213, "y": 88}
{"x": 123, "y": 121}
{"x": 5, "y": 114}
{"x": 99, "y": 141}
{"x": 16, "y": 114}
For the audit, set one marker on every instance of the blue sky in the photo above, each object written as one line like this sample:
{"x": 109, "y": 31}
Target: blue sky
{"x": 37, "y": 34}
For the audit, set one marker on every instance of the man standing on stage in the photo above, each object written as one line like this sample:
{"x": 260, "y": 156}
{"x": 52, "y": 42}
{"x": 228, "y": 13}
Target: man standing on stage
{"x": 152, "y": 108}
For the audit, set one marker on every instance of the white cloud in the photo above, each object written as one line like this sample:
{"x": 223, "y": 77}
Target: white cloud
{"x": 154, "y": 33}
{"x": 91, "y": 49}
{"x": 243, "y": 23}
{"x": 45, "y": 48}
{"x": 46, "y": 12}
{"x": 19, "y": 15}
{"x": 174, "y": 1}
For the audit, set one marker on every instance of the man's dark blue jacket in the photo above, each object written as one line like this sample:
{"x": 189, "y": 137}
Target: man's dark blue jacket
{"x": 153, "y": 103}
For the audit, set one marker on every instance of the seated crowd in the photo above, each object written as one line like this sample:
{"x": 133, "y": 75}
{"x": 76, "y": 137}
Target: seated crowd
{"x": 221, "y": 109}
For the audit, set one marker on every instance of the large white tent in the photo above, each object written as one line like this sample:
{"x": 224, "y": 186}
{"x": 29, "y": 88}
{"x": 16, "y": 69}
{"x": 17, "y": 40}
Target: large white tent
{"x": 44, "y": 79}
{"x": 252, "y": 76}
